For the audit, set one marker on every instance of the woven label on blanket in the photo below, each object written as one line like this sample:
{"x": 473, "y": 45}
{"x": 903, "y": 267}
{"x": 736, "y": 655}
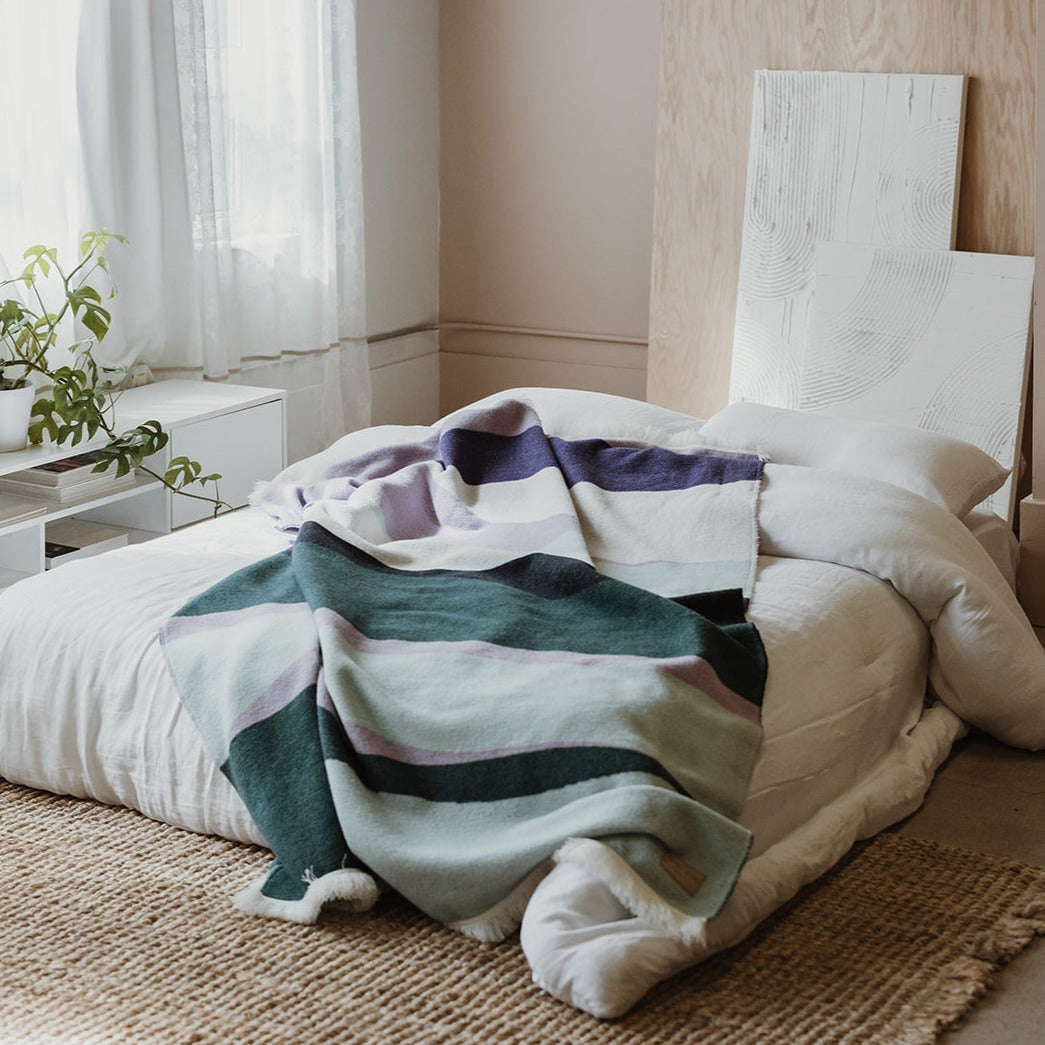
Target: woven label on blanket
{"x": 481, "y": 645}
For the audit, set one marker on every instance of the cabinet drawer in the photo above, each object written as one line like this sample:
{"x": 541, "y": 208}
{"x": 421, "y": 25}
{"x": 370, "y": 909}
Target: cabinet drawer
{"x": 244, "y": 446}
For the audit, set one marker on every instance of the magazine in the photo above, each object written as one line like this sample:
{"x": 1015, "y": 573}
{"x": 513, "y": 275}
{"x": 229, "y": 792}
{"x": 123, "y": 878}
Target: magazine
{"x": 64, "y": 472}
{"x": 97, "y": 486}
{"x": 72, "y": 538}
{"x": 15, "y": 509}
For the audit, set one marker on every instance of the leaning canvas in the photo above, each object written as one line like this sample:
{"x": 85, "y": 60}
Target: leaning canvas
{"x": 853, "y": 157}
{"x": 933, "y": 339}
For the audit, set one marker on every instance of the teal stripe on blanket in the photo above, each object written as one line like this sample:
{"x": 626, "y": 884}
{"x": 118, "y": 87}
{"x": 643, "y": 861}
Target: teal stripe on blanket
{"x": 537, "y": 602}
{"x": 269, "y": 581}
{"x": 511, "y": 776}
{"x": 487, "y": 779}
{"x": 294, "y": 808}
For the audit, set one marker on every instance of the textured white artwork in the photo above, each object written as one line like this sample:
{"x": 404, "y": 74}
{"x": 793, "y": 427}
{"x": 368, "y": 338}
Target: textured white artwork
{"x": 932, "y": 339}
{"x": 853, "y": 157}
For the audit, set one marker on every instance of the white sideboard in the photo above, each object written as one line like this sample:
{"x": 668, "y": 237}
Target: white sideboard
{"x": 236, "y": 430}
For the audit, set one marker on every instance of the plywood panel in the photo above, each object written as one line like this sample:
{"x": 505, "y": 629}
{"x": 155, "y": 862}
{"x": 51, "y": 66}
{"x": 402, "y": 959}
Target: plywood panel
{"x": 854, "y": 157}
{"x": 710, "y": 51}
{"x": 1037, "y": 403}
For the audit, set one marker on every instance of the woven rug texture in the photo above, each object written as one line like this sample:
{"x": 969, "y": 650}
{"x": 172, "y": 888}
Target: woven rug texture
{"x": 119, "y": 929}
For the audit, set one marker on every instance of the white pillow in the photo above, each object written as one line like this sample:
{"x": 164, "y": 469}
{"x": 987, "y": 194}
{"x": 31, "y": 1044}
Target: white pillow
{"x": 571, "y": 413}
{"x": 954, "y": 474}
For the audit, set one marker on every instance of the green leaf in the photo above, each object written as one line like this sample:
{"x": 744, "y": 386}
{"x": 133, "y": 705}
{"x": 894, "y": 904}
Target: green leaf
{"x": 96, "y": 320}
{"x": 41, "y": 258}
{"x": 89, "y": 293}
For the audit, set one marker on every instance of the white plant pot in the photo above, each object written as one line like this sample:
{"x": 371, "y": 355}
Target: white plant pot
{"x": 15, "y": 404}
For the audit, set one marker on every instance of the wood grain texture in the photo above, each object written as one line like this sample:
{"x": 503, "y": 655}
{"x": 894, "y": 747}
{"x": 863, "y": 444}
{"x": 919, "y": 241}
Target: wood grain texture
{"x": 710, "y": 51}
{"x": 1036, "y": 405}
{"x": 1032, "y": 559}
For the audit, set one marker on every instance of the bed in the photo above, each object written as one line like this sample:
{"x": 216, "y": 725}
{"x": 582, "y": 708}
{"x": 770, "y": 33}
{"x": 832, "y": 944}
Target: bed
{"x": 883, "y": 599}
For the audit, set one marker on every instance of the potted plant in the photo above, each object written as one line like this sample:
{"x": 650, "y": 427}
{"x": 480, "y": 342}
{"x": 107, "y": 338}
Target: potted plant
{"x": 65, "y": 394}
{"x": 16, "y": 400}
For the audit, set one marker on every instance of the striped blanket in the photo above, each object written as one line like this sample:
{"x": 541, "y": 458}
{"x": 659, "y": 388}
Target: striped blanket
{"x": 487, "y": 646}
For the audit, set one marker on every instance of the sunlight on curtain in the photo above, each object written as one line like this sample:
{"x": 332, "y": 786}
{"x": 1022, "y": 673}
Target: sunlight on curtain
{"x": 222, "y": 137}
{"x": 134, "y": 177}
{"x": 270, "y": 123}
{"x": 41, "y": 182}
{"x": 42, "y": 196}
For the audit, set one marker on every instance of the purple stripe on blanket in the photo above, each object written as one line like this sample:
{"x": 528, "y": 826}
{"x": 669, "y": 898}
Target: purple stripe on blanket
{"x": 205, "y": 623}
{"x": 367, "y": 742}
{"x": 287, "y": 685}
{"x": 508, "y": 417}
{"x": 376, "y": 464}
{"x": 335, "y": 480}
{"x": 421, "y": 508}
{"x": 694, "y": 671}
{"x": 485, "y": 457}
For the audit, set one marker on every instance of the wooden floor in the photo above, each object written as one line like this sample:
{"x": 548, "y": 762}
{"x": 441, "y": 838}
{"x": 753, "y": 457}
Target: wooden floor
{"x": 992, "y": 798}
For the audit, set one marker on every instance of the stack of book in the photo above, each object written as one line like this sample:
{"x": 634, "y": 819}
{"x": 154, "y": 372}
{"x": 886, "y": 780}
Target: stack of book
{"x": 15, "y": 509}
{"x": 67, "y": 479}
{"x": 72, "y": 538}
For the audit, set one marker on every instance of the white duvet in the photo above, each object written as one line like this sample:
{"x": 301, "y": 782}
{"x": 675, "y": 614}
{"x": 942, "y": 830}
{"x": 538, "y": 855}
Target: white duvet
{"x": 862, "y": 589}
{"x": 906, "y": 571}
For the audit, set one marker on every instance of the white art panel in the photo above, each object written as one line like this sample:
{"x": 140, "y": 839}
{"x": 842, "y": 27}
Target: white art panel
{"x": 853, "y": 157}
{"x": 932, "y": 339}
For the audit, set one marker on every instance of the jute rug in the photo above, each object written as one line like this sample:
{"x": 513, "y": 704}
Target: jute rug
{"x": 114, "y": 928}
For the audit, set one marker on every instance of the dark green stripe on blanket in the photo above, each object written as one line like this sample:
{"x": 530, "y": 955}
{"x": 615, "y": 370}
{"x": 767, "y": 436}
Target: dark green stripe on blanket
{"x": 268, "y": 580}
{"x": 510, "y": 776}
{"x": 487, "y": 779}
{"x": 278, "y": 768}
{"x": 723, "y": 608}
{"x": 507, "y": 606}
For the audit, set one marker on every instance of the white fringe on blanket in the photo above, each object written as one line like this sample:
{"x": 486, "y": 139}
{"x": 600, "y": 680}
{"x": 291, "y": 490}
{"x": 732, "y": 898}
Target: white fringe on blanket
{"x": 356, "y": 888}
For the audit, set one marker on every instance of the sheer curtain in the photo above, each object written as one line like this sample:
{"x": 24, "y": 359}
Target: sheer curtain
{"x": 42, "y": 193}
{"x": 131, "y": 169}
{"x": 270, "y": 119}
{"x": 222, "y": 137}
